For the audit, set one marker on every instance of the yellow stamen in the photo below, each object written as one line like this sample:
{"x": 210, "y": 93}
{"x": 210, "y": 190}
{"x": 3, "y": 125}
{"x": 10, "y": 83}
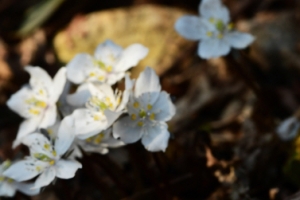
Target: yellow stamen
{"x": 220, "y": 36}
{"x": 47, "y": 146}
{"x": 99, "y": 138}
{"x": 38, "y": 168}
{"x": 101, "y": 78}
{"x": 34, "y": 111}
{"x": 2, "y": 178}
{"x": 152, "y": 116}
{"x": 133, "y": 116}
{"x": 230, "y": 26}
{"x": 209, "y": 34}
{"x": 92, "y": 74}
{"x": 52, "y": 162}
{"x": 149, "y": 106}
{"x": 136, "y": 104}
{"x": 142, "y": 113}
{"x": 140, "y": 123}
{"x": 212, "y": 20}
{"x": 109, "y": 68}
{"x": 54, "y": 153}
{"x": 96, "y": 117}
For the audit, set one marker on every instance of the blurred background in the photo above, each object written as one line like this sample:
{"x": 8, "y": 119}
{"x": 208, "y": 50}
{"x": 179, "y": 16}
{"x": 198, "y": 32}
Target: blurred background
{"x": 224, "y": 143}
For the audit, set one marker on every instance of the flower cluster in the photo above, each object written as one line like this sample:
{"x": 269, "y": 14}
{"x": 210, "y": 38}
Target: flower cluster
{"x": 213, "y": 29}
{"x": 97, "y": 116}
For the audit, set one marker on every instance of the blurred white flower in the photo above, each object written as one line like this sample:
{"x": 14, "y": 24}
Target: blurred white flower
{"x": 213, "y": 29}
{"x": 36, "y": 102}
{"x": 9, "y": 186}
{"x": 148, "y": 110}
{"x": 288, "y": 129}
{"x": 108, "y": 65}
{"x": 45, "y": 160}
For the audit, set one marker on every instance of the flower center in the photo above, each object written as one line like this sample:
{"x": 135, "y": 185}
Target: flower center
{"x": 143, "y": 115}
{"x": 35, "y": 106}
{"x": 220, "y": 26}
{"x": 97, "y": 139}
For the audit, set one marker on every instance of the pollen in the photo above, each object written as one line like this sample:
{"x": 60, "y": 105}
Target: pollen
{"x": 149, "y": 106}
{"x": 140, "y": 123}
{"x": 152, "y": 116}
{"x": 109, "y": 68}
{"x": 212, "y": 20}
{"x": 34, "y": 111}
{"x": 41, "y": 92}
{"x": 142, "y": 113}
{"x": 230, "y": 26}
{"x": 92, "y": 74}
{"x": 54, "y": 153}
{"x": 51, "y": 162}
{"x": 41, "y": 104}
{"x": 220, "y": 36}
{"x": 88, "y": 139}
{"x": 133, "y": 116}
{"x": 47, "y": 146}
{"x": 38, "y": 168}
{"x": 136, "y": 104}
{"x": 96, "y": 117}
{"x": 209, "y": 33}
{"x": 101, "y": 78}
{"x": 99, "y": 138}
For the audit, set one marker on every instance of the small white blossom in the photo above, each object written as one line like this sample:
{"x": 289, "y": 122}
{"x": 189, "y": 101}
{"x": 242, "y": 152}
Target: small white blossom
{"x": 103, "y": 107}
{"x": 9, "y": 186}
{"x": 108, "y": 65}
{"x": 213, "y": 29}
{"x": 45, "y": 160}
{"x": 148, "y": 108}
{"x": 36, "y": 102}
{"x": 288, "y": 129}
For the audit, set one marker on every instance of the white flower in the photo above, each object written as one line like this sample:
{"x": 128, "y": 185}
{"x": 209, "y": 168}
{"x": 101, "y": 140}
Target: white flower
{"x": 9, "y": 186}
{"x": 36, "y": 102}
{"x": 148, "y": 110}
{"x": 108, "y": 65}
{"x": 288, "y": 129}
{"x": 103, "y": 107}
{"x": 44, "y": 160}
{"x": 213, "y": 29}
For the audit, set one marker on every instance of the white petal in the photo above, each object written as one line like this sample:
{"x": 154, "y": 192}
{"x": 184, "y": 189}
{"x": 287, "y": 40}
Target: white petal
{"x": 108, "y": 52}
{"x": 77, "y": 67}
{"x": 212, "y": 48}
{"x": 66, "y": 169}
{"x": 7, "y": 189}
{"x": 214, "y": 9}
{"x": 113, "y": 77}
{"x": 80, "y": 97}
{"x": 130, "y": 57}
{"x": 85, "y": 124}
{"x": 127, "y": 130}
{"x": 156, "y": 138}
{"x": 288, "y": 129}
{"x": 45, "y": 178}
{"x": 24, "y": 170}
{"x": 111, "y": 116}
{"x": 39, "y": 77}
{"x": 65, "y": 135}
{"x": 191, "y": 27}
{"x": 104, "y": 89}
{"x": 49, "y": 116}
{"x": 163, "y": 108}
{"x": 27, "y": 126}
{"x": 59, "y": 82}
{"x": 26, "y": 188}
{"x": 239, "y": 40}
{"x": 147, "y": 81}
{"x": 17, "y": 101}
{"x": 38, "y": 143}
